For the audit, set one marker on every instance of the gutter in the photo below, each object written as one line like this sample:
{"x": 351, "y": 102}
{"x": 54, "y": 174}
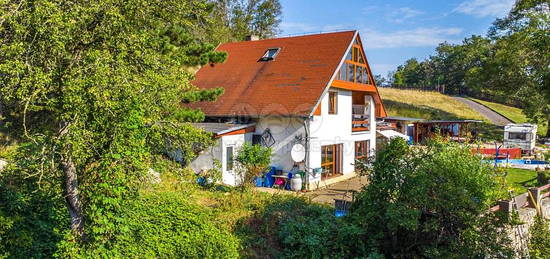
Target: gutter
{"x": 306, "y": 162}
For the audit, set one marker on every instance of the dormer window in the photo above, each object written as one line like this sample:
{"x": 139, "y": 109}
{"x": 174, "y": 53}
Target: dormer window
{"x": 270, "y": 54}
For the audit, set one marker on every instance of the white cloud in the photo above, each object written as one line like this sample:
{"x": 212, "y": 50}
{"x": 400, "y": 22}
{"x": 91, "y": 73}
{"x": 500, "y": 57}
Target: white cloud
{"x": 482, "y": 8}
{"x": 419, "y": 37}
{"x": 404, "y": 13}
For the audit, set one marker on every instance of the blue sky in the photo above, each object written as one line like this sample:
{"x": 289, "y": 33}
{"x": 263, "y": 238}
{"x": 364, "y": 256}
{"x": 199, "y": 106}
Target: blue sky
{"x": 394, "y": 30}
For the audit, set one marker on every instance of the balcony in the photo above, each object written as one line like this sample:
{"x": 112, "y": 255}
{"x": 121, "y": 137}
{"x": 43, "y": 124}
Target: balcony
{"x": 360, "y": 119}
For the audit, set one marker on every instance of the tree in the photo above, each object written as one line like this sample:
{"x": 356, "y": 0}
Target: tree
{"x": 95, "y": 89}
{"x": 430, "y": 202}
{"x": 247, "y": 17}
{"x": 380, "y": 80}
{"x": 522, "y": 57}
{"x": 252, "y": 161}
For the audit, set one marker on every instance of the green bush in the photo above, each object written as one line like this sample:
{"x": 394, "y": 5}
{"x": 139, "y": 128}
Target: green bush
{"x": 429, "y": 202}
{"x": 252, "y": 161}
{"x": 543, "y": 177}
{"x": 539, "y": 243}
{"x": 292, "y": 227}
{"x": 165, "y": 225}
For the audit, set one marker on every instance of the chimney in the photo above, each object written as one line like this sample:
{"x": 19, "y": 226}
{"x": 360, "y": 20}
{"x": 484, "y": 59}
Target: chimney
{"x": 252, "y": 37}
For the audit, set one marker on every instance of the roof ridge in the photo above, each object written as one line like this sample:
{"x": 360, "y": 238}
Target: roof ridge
{"x": 289, "y": 36}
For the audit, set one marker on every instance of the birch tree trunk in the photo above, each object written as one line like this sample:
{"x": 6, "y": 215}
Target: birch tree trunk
{"x": 71, "y": 189}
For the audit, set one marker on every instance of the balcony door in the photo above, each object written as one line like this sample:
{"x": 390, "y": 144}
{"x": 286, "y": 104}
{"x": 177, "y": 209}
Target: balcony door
{"x": 331, "y": 160}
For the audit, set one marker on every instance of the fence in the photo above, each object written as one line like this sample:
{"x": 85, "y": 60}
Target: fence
{"x": 531, "y": 199}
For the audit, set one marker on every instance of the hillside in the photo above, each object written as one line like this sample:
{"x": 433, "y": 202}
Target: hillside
{"x": 426, "y": 105}
{"x": 435, "y": 106}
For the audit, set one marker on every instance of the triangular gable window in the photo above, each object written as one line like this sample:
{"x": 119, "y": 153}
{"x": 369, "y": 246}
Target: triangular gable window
{"x": 270, "y": 54}
{"x": 354, "y": 68}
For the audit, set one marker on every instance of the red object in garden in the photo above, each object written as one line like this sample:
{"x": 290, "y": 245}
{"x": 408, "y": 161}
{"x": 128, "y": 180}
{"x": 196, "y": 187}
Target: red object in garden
{"x": 514, "y": 153}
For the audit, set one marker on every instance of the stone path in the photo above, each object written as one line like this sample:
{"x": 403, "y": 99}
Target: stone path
{"x": 326, "y": 194}
{"x": 340, "y": 190}
{"x": 494, "y": 117}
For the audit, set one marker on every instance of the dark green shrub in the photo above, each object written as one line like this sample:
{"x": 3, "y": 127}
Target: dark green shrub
{"x": 430, "y": 202}
{"x": 539, "y": 243}
{"x": 543, "y": 177}
{"x": 291, "y": 227}
{"x": 252, "y": 161}
{"x": 165, "y": 225}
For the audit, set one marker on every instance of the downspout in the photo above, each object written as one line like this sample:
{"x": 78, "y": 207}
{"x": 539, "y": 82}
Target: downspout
{"x": 306, "y": 162}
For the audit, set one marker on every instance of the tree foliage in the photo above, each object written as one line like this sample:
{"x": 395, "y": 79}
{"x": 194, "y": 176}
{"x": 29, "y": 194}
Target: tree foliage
{"x": 237, "y": 19}
{"x": 510, "y": 65}
{"x": 430, "y": 202}
{"x": 94, "y": 89}
{"x": 252, "y": 161}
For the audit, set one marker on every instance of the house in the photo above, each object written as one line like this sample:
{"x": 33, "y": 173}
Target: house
{"x": 315, "y": 90}
{"x": 521, "y": 136}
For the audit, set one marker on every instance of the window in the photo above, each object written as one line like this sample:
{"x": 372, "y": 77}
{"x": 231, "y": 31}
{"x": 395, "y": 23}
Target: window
{"x": 343, "y": 72}
{"x": 331, "y": 160}
{"x": 359, "y": 74}
{"x": 350, "y": 54}
{"x": 362, "y": 149}
{"x": 270, "y": 54}
{"x": 332, "y": 102}
{"x": 351, "y": 70}
{"x": 327, "y": 159}
{"x": 365, "y": 76}
{"x": 229, "y": 158}
{"x": 354, "y": 68}
{"x": 360, "y": 59}
{"x": 517, "y": 135}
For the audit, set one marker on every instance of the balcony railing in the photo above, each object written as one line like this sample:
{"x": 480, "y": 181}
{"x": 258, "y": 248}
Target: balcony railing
{"x": 360, "y": 122}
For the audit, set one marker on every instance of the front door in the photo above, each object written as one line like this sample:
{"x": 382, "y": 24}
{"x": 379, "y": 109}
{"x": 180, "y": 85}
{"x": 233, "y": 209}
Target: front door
{"x": 331, "y": 160}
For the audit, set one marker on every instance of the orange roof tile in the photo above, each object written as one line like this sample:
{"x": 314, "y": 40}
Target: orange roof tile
{"x": 290, "y": 84}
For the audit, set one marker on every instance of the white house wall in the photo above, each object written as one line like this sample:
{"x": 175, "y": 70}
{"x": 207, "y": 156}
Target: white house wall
{"x": 325, "y": 129}
{"x": 286, "y": 131}
{"x": 205, "y": 160}
{"x": 328, "y": 129}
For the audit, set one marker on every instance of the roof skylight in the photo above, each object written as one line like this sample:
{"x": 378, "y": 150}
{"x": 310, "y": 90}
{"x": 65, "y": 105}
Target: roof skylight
{"x": 270, "y": 54}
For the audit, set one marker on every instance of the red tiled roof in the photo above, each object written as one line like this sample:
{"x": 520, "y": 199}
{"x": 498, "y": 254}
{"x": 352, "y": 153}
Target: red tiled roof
{"x": 290, "y": 84}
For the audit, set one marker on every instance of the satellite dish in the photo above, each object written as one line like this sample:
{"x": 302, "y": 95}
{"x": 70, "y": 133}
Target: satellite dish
{"x": 298, "y": 153}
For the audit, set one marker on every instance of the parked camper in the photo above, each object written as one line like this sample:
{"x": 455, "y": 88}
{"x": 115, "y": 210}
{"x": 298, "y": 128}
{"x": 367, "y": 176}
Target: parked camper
{"x": 520, "y": 135}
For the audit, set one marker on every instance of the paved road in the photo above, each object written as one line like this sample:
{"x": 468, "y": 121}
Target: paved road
{"x": 494, "y": 117}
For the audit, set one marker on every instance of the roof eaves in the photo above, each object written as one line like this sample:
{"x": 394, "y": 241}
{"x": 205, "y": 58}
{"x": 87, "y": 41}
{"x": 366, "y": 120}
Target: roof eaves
{"x": 243, "y": 126}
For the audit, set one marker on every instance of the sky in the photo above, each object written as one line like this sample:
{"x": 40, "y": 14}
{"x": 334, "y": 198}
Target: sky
{"x": 393, "y": 31}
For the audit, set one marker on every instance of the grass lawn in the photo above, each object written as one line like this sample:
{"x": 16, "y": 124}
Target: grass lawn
{"x": 520, "y": 180}
{"x": 426, "y": 105}
{"x": 512, "y": 113}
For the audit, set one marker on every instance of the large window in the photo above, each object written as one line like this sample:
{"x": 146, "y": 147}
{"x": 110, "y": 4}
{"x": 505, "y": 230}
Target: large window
{"x": 354, "y": 69}
{"x": 362, "y": 149}
{"x": 229, "y": 158}
{"x": 332, "y": 102}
